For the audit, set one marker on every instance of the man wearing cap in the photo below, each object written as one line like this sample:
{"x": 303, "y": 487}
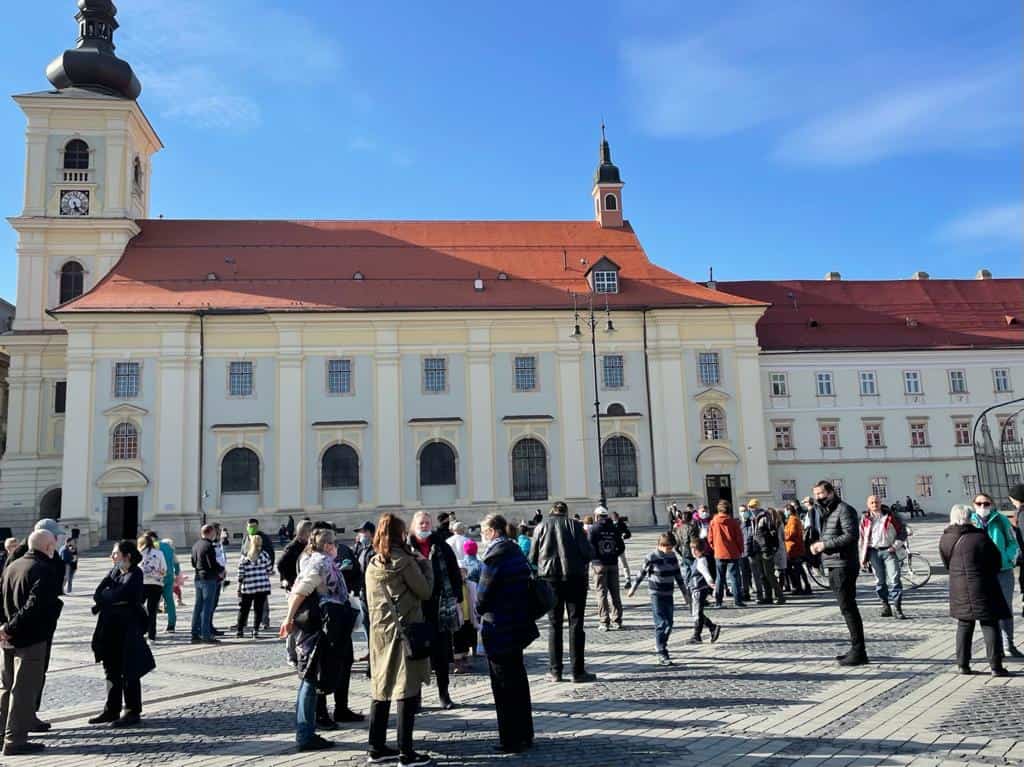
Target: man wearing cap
{"x": 1000, "y": 532}
{"x": 29, "y": 609}
{"x": 607, "y": 543}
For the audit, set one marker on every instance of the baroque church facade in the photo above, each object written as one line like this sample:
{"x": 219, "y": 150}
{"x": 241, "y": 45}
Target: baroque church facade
{"x": 167, "y": 372}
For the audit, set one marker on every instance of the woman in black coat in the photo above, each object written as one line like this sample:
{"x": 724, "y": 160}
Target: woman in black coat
{"x": 447, "y": 586}
{"x": 973, "y": 561}
{"x": 118, "y": 639}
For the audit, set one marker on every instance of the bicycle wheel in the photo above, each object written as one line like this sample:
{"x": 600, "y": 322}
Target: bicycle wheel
{"x": 818, "y": 576}
{"x": 916, "y": 570}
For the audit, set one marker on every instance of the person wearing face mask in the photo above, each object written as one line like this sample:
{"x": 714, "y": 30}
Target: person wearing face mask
{"x": 118, "y": 641}
{"x": 363, "y": 551}
{"x": 1000, "y": 532}
{"x": 750, "y": 563}
{"x": 441, "y": 610}
{"x": 838, "y": 545}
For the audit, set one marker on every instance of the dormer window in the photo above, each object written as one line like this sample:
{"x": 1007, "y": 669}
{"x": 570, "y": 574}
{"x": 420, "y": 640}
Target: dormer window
{"x": 606, "y": 281}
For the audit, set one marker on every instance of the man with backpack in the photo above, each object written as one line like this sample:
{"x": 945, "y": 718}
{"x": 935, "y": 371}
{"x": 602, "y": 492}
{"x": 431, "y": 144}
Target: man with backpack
{"x": 608, "y": 546}
{"x": 766, "y": 542}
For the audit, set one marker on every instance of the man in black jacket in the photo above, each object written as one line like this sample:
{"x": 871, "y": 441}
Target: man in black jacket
{"x": 561, "y": 553}
{"x": 840, "y": 532}
{"x": 208, "y": 572}
{"x": 29, "y": 608}
{"x": 606, "y": 541}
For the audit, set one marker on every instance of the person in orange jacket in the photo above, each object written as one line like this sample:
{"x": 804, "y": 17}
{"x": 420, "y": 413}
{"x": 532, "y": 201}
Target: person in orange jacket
{"x": 796, "y": 552}
{"x": 726, "y": 540}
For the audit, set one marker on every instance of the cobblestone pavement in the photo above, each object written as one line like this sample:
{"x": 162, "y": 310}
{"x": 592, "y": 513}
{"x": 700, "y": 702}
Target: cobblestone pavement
{"x": 768, "y": 694}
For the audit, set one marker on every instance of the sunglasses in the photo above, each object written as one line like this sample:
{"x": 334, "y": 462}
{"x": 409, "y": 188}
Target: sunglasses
{"x": 983, "y": 504}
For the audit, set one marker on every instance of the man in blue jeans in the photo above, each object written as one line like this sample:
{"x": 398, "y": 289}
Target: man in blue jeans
{"x": 208, "y": 573}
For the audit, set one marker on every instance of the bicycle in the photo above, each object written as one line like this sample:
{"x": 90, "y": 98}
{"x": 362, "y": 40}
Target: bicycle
{"x": 915, "y": 570}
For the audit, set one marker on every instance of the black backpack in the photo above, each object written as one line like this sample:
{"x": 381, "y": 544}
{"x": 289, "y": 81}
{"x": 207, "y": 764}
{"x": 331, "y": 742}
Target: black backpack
{"x": 771, "y": 535}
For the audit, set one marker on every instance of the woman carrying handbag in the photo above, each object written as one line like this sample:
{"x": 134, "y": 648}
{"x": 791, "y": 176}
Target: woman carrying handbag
{"x": 398, "y": 581}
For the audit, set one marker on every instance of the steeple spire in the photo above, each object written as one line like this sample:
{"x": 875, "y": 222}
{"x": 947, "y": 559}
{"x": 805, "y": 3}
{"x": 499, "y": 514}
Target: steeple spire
{"x": 91, "y": 64}
{"x": 607, "y": 172}
{"x": 607, "y": 192}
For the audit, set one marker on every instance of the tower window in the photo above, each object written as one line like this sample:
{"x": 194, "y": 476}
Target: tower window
{"x": 137, "y": 174}
{"x": 76, "y": 155}
{"x": 610, "y": 203}
{"x": 72, "y": 281}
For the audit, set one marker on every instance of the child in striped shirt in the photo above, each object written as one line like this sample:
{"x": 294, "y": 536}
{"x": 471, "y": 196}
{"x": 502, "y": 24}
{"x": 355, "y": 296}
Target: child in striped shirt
{"x": 701, "y": 585}
{"x": 661, "y": 570}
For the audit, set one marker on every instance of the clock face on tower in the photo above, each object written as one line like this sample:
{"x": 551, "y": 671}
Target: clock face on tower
{"x": 74, "y": 202}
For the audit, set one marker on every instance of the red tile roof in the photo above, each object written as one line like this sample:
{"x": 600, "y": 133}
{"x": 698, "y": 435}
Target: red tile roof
{"x": 407, "y": 265}
{"x": 887, "y": 314}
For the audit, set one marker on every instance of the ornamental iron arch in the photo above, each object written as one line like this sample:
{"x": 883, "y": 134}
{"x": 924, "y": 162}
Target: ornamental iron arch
{"x": 999, "y": 463}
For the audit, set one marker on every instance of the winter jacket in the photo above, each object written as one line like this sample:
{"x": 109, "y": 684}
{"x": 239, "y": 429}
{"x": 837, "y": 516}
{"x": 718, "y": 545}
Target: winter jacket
{"x": 623, "y": 529}
{"x": 267, "y": 545}
{"x": 973, "y": 561}
{"x": 606, "y": 541}
{"x": 254, "y": 575}
{"x": 204, "y": 561}
{"x": 891, "y": 529}
{"x": 121, "y": 622}
{"x": 442, "y": 559}
{"x": 502, "y": 599}
{"x": 153, "y": 566}
{"x": 750, "y": 548}
{"x": 288, "y": 567}
{"x": 560, "y": 549}
{"x": 794, "y": 537}
{"x": 29, "y": 599}
{"x": 411, "y": 581}
{"x": 840, "y": 534}
{"x": 725, "y": 537}
{"x": 171, "y": 561}
{"x": 524, "y": 545}
{"x": 1000, "y": 531}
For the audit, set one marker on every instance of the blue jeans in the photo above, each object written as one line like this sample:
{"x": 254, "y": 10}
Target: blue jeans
{"x": 886, "y": 566}
{"x": 202, "y": 610}
{"x": 169, "y": 607}
{"x": 722, "y": 567}
{"x": 1006, "y": 586}
{"x": 305, "y": 713}
{"x": 663, "y": 608}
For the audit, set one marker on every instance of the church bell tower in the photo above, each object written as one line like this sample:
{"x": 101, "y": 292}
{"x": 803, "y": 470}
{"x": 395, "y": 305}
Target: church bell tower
{"x": 607, "y": 191}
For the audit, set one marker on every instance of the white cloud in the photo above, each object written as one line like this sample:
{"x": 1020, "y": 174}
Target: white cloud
{"x": 994, "y": 224}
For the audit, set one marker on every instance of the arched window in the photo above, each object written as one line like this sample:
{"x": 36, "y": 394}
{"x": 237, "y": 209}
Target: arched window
{"x": 137, "y": 173}
{"x": 529, "y": 471}
{"x": 125, "y": 442}
{"x": 610, "y": 203}
{"x": 713, "y": 422}
{"x": 619, "y": 457}
{"x": 240, "y": 471}
{"x": 76, "y": 155}
{"x": 616, "y": 408}
{"x": 72, "y": 281}
{"x": 339, "y": 468}
{"x": 49, "y": 504}
{"x": 437, "y": 465}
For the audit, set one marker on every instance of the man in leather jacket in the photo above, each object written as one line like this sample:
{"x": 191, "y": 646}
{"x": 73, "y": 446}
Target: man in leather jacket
{"x": 561, "y": 554}
{"x": 840, "y": 533}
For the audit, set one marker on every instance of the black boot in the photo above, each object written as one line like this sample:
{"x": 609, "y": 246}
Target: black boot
{"x": 897, "y": 609}
{"x": 886, "y": 611}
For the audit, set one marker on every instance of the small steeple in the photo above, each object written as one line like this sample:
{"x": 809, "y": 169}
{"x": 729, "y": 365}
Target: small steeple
{"x": 607, "y": 191}
{"x": 91, "y": 64}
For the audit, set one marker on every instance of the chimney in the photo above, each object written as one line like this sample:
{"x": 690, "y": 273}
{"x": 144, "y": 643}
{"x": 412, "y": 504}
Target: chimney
{"x": 983, "y": 274}
{"x": 919, "y": 276}
{"x": 833, "y": 276}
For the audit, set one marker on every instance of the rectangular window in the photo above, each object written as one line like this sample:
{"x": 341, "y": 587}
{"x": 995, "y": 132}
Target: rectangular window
{"x": 613, "y": 376}
{"x": 779, "y": 384}
{"x": 824, "y": 384}
{"x": 868, "y": 383}
{"x": 837, "y": 485}
{"x": 1001, "y": 380}
{"x": 783, "y": 436}
{"x": 957, "y": 382}
{"x": 126, "y": 380}
{"x": 880, "y": 487}
{"x": 919, "y": 434}
{"x": 970, "y": 485}
{"x": 962, "y": 433}
{"x": 60, "y": 397}
{"x": 873, "y": 435}
{"x": 435, "y": 375}
{"x": 923, "y": 486}
{"x": 829, "y": 435}
{"x": 240, "y": 379}
{"x": 1007, "y": 430}
{"x": 912, "y": 382}
{"x": 606, "y": 281}
{"x": 526, "y": 373}
{"x": 787, "y": 489}
{"x": 339, "y": 376}
{"x": 707, "y": 363}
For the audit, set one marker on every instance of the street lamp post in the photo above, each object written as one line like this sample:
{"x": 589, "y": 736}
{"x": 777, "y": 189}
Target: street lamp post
{"x": 590, "y": 320}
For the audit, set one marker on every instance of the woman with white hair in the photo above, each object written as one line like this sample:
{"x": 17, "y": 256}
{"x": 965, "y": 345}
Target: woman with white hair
{"x": 973, "y": 562}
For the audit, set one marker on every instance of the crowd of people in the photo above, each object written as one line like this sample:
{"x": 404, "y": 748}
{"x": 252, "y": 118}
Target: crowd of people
{"x": 429, "y": 598}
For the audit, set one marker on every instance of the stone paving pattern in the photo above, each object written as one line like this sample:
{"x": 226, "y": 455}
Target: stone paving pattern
{"x": 768, "y": 694}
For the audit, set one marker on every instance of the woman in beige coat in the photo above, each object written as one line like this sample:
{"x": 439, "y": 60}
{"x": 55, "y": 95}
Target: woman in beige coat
{"x": 395, "y": 572}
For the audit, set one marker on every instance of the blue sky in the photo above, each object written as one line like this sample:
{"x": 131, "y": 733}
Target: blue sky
{"x": 765, "y": 139}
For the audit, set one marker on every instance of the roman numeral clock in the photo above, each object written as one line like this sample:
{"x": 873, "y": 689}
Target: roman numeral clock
{"x": 74, "y": 202}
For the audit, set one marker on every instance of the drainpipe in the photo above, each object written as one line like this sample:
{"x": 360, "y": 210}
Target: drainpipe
{"x": 202, "y": 408}
{"x": 650, "y": 424}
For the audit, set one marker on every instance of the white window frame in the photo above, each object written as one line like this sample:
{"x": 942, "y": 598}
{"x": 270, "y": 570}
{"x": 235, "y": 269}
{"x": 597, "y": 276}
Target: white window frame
{"x": 1003, "y": 432}
{"x": 606, "y": 281}
{"x": 920, "y": 427}
{"x": 137, "y": 375}
{"x": 969, "y": 485}
{"x": 924, "y": 485}
{"x": 604, "y": 371}
{"x": 351, "y": 377}
{"x": 873, "y": 427}
{"x": 714, "y": 365}
{"x": 783, "y": 436}
{"x": 957, "y": 431}
{"x": 828, "y": 427}
{"x": 787, "y": 489}
{"x": 865, "y": 376}
{"x": 444, "y": 370}
{"x": 778, "y": 384}
{"x": 824, "y": 377}
{"x": 957, "y": 374}
{"x": 913, "y": 375}
{"x": 1005, "y": 376}
{"x": 515, "y": 372}
{"x": 880, "y": 487}
{"x": 252, "y": 379}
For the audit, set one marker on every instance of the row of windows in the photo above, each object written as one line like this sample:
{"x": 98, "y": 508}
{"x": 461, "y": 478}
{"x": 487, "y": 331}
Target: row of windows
{"x": 828, "y": 433}
{"x": 867, "y": 381}
{"x": 924, "y": 486}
